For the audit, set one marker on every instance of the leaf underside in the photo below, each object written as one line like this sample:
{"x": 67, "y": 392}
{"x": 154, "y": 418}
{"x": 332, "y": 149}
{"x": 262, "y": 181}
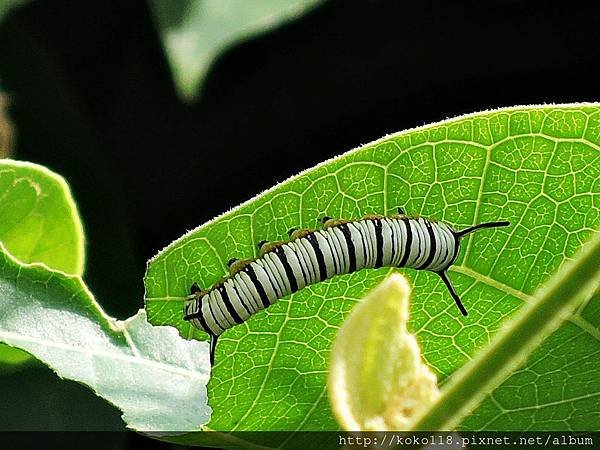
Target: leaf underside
{"x": 156, "y": 378}
{"x": 538, "y": 167}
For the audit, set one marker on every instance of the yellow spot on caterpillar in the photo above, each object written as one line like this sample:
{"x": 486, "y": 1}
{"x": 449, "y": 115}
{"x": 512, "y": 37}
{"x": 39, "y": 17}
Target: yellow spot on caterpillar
{"x": 238, "y": 265}
{"x": 298, "y": 234}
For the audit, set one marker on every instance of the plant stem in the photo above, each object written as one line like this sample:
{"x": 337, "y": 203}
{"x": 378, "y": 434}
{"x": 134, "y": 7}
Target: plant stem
{"x": 553, "y": 304}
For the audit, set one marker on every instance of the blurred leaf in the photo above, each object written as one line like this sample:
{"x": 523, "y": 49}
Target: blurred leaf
{"x": 195, "y": 32}
{"x": 156, "y": 378}
{"x": 39, "y": 222}
{"x": 377, "y": 380}
{"x": 6, "y": 129}
{"x": 535, "y": 166}
{"x": 6, "y": 6}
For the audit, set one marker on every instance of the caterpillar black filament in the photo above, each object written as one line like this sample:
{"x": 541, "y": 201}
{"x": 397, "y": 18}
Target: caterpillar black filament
{"x": 310, "y": 256}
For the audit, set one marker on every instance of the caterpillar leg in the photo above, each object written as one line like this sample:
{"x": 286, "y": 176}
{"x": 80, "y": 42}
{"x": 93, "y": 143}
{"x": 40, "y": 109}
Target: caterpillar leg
{"x": 265, "y": 246}
{"x": 195, "y": 291}
{"x": 296, "y": 233}
{"x": 231, "y": 262}
{"x": 401, "y": 214}
{"x": 235, "y": 265}
{"x": 328, "y": 222}
{"x": 448, "y": 283}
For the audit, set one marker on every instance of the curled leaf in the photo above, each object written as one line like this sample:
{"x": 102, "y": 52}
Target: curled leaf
{"x": 377, "y": 378}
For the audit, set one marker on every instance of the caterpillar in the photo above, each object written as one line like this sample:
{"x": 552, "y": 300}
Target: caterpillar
{"x": 311, "y": 255}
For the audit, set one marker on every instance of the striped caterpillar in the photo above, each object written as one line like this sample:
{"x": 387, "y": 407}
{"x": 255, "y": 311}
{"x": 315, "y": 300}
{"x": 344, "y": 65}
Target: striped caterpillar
{"x": 310, "y": 256}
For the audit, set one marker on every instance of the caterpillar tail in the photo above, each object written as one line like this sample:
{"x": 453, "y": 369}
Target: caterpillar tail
{"x": 444, "y": 276}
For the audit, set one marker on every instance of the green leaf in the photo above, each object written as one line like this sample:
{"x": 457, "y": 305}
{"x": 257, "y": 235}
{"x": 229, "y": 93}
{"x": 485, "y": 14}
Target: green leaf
{"x": 6, "y": 6}
{"x": 554, "y": 302}
{"x": 538, "y": 167}
{"x": 195, "y": 32}
{"x": 39, "y": 222}
{"x": 156, "y": 378}
{"x": 553, "y": 394}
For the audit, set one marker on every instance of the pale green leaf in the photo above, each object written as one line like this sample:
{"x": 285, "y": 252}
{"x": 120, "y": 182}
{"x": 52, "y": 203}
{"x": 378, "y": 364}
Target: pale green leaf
{"x": 195, "y": 32}
{"x": 538, "y": 167}
{"x": 156, "y": 378}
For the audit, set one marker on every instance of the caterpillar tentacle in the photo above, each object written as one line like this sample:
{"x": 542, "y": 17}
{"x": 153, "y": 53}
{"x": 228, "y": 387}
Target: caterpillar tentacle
{"x": 457, "y": 300}
{"x": 481, "y": 226}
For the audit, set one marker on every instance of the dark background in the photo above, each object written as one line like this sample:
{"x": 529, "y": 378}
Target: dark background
{"x": 92, "y": 98}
